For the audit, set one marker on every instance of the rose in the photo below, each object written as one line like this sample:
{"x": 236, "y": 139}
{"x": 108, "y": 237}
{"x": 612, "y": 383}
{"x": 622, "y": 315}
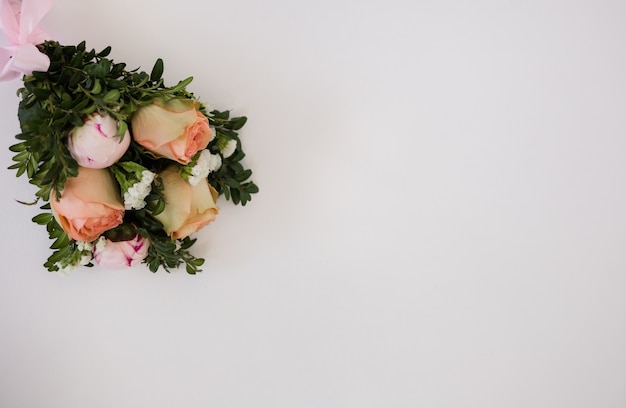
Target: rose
{"x": 95, "y": 144}
{"x": 117, "y": 255}
{"x": 187, "y": 208}
{"x": 174, "y": 129}
{"x": 89, "y": 205}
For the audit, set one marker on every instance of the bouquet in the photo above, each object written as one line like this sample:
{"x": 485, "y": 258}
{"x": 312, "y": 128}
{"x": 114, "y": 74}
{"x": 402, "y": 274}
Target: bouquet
{"x": 127, "y": 167}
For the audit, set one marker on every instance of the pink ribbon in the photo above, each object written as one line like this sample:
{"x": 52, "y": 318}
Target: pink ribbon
{"x": 18, "y": 23}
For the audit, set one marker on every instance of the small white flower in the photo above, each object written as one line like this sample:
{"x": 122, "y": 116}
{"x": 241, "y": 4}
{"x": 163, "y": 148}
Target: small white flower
{"x": 86, "y": 258}
{"x": 135, "y": 195}
{"x": 229, "y": 149}
{"x": 215, "y": 162}
{"x": 101, "y": 244}
{"x": 207, "y": 163}
{"x": 84, "y": 246}
{"x": 64, "y": 271}
{"x": 147, "y": 177}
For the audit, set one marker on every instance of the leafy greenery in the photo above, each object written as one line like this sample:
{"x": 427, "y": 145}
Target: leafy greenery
{"x": 66, "y": 252}
{"x": 231, "y": 177}
{"x": 80, "y": 82}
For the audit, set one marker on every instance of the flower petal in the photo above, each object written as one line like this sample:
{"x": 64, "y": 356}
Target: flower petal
{"x": 96, "y": 185}
{"x": 178, "y": 196}
{"x": 153, "y": 127}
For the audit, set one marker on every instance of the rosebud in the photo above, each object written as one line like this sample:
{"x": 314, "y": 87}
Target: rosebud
{"x": 175, "y": 129}
{"x": 187, "y": 208}
{"x": 121, "y": 254}
{"x": 95, "y": 144}
{"x": 90, "y": 204}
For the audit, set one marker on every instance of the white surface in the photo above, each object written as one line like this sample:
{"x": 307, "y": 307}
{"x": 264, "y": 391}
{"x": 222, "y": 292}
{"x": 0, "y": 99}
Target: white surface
{"x": 441, "y": 222}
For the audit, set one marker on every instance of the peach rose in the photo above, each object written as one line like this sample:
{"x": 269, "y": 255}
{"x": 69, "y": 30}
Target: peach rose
{"x": 187, "y": 208}
{"x": 174, "y": 129}
{"x": 90, "y": 204}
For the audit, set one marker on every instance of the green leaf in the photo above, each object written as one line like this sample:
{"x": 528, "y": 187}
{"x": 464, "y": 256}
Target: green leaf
{"x": 243, "y": 175}
{"x": 235, "y": 195}
{"x": 238, "y": 123}
{"x": 40, "y": 76}
{"x": 62, "y": 241}
{"x": 43, "y": 219}
{"x": 118, "y": 70}
{"x": 76, "y": 78}
{"x": 115, "y": 83}
{"x": 89, "y": 109}
{"x": 121, "y": 128}
{"x": 19, "y": 147}
{"x": 31, "y": 167}
{"x": 231, "y": 183}
{"x": 220, "y": 115}
{"x": 42, "y": 93}
{"x": 250, "y": 188}
{"x": 99, "y": 69}
{"x": 159, "y": 207}
{"x": 157, "y": 70}
{"x": 20, "y": 170}
{"x": 29, "y": 103}
{"x": 76, "y": 120}
{"x": 140, "y": 79}
{"x": 97, "y": 87}
{"x": 21, "y": 156}
{"x": 181, "y": 85}
{"x": 112, "y": 96}
{"x": 104, "y": 52}
{"x": 81, "y": 104}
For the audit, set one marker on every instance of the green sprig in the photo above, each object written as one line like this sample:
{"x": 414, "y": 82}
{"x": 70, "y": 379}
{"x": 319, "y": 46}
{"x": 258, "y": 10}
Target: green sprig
{"x": 231, "y": 178}
{"x": 65, "y": 250}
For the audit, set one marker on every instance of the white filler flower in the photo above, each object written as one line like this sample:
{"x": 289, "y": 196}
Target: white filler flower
{"x": 134, "y": 197}
{"x": 64, "y": 271}
{"x": 86, "y": 249}
{"x": 207, "y": 163}
{"x": 229, "y": 149}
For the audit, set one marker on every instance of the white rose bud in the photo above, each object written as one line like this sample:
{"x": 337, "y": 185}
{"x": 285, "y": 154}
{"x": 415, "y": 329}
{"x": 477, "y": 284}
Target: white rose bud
{"x": 95, "y": 144}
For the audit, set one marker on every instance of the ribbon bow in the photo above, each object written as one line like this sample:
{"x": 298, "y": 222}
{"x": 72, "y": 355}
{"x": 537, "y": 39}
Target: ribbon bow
{"x": 18, "y": 22}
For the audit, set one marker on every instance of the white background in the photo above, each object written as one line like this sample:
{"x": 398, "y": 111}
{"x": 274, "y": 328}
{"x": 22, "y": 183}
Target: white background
{"x": 441, "y": 222}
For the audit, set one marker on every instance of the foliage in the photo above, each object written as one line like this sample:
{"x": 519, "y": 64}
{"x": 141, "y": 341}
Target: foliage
{"x": 80, "y": 82}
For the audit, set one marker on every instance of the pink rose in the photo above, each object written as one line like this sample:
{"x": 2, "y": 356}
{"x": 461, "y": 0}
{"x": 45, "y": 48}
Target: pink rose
{"x": 95, "y": 145}
{"x": 187, "y": 208}
{"x": 121, "y": 254}
{"x": 90, "y": 204}
{"x": 174, "y": 129}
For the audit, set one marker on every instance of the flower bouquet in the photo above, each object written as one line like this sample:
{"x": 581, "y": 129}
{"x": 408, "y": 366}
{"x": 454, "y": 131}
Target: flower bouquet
{"x": 127, "y": 167}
